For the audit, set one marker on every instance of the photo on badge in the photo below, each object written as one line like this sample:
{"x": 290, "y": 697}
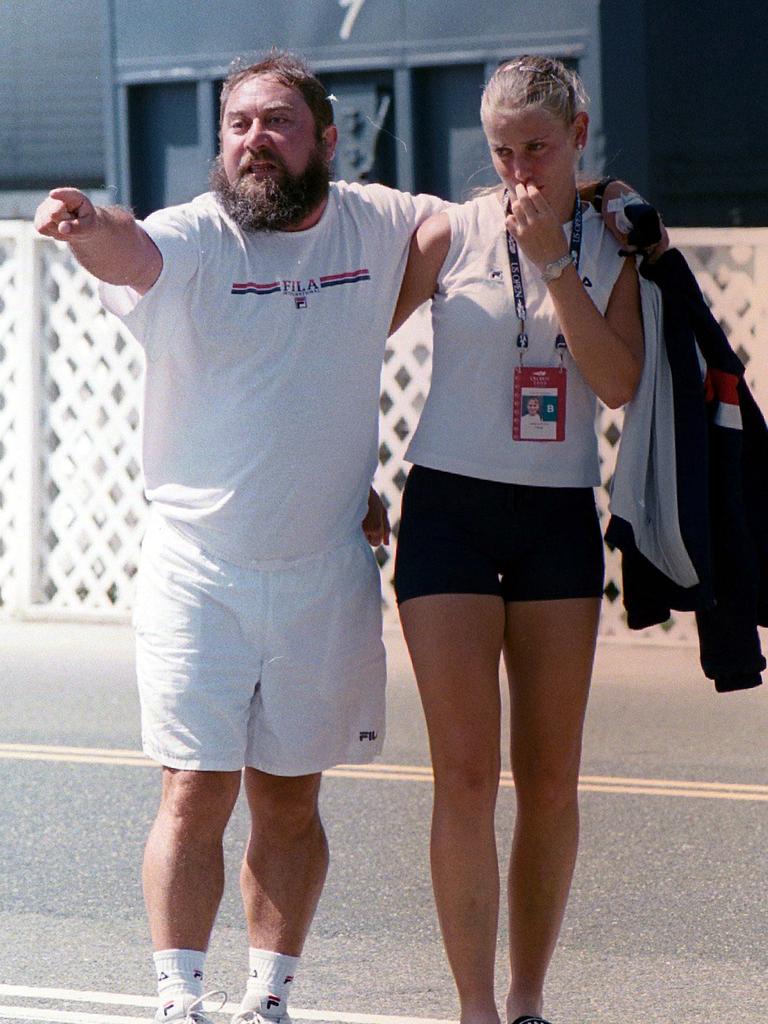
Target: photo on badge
{"x": 538, "y": 421}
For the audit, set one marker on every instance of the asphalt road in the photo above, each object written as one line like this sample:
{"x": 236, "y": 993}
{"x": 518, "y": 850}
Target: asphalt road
{"x": 667, "y": 922}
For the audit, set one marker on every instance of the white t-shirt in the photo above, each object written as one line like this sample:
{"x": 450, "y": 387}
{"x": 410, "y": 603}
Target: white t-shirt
{"x": 263, "y": 359}
{"x": 466, "y": 423}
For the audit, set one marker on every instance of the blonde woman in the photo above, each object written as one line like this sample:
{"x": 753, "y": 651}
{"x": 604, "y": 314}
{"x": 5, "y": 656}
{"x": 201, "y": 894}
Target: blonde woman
{"x": 500, "y": 550}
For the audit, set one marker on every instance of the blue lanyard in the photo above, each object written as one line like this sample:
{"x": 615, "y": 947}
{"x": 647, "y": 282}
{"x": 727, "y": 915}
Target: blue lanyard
{"x": 517, "y": 272}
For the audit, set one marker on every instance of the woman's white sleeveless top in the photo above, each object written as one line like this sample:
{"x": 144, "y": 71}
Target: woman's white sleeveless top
{"x": 466, "y": 423}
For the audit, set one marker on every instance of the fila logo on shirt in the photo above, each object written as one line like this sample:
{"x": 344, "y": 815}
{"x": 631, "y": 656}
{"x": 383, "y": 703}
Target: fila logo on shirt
{"x": 300, "y": 291}
{"x": 368, "y": 736}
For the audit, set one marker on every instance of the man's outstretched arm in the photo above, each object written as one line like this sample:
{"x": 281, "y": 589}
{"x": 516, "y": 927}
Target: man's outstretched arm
{"x": 107, "y": 241}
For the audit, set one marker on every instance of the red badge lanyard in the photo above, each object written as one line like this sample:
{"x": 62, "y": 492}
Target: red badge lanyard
{"x": 539, "y": 392}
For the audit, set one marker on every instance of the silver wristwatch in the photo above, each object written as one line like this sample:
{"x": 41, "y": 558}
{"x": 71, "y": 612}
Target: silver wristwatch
{"x": 555, "y": 269}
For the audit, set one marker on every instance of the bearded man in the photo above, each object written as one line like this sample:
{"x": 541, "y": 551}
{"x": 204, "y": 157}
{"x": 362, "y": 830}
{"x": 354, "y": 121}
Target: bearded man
{"x": 263, "y": 308}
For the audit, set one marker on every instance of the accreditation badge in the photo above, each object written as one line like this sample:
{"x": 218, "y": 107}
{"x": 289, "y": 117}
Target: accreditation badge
{"x": 538, "y": 403}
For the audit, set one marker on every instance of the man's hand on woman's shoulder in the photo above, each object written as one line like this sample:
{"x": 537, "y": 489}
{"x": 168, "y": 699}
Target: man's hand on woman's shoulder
{"x": 632, "y": 221}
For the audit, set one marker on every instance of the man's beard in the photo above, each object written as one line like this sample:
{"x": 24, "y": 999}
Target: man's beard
{"x": 272, "y": 204}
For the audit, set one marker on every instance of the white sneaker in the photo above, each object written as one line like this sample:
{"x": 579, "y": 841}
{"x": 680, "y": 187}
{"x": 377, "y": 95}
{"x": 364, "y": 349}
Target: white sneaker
{"x": 189, "y": 1010}
{"x": 251, "y": 1017}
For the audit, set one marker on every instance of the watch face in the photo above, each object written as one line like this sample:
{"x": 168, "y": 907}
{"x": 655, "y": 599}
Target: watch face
{"x": 555, "y": 269}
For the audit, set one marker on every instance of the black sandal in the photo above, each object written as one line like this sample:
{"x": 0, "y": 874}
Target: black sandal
{"x": 525, "y": 1019}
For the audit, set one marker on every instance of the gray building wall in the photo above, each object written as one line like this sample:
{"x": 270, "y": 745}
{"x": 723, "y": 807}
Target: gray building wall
{"x": 707, "y": 110}
{"x": 685, "y": 92}
{"x": 52, "y": 124}
{"x": 122, "y": 94}
{"x": 407, "y": 75}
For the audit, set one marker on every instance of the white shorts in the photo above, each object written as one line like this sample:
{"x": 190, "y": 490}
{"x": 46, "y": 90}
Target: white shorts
{"x": 277, "y": 669}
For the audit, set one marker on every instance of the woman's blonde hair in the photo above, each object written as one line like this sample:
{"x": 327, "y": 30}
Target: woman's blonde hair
{"x": 534, "y": 82}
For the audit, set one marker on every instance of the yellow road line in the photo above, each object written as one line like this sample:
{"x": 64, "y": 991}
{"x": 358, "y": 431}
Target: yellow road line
{"x": 410, "y": 773}
{"x": 587, "y": 783}
{"x": 47, "y": 749}
{"x": 100, "y": 758}
{"x": 738, "y": 786}
{"x": 723, "y": 793}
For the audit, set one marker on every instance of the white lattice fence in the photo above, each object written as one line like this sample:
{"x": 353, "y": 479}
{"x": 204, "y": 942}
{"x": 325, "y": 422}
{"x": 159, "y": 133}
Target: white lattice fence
{"x": 10, "y": 316}
{"x": 71, "y": 507}
{"x": 69, "y": 462}
{"x": 92, "y": 509}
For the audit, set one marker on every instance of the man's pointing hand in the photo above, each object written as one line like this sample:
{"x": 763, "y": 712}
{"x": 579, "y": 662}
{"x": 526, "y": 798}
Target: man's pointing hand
{"x": 66, "y": 214}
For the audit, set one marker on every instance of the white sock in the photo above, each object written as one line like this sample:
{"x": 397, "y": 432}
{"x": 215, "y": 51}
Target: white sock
{"x": 179, "y": 975}
{"x": 269, "y": 982}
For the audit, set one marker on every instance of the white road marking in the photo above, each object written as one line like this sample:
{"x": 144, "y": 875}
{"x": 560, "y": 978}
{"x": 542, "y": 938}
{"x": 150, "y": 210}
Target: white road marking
{"x": 67, "y": 995}
{"x": 410, "y": 773}
{"x": 74, "y": 995}
{"x": 65, "y": 1016}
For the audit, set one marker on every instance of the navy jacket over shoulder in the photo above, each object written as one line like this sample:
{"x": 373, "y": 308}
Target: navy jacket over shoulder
{"x": 721, "y": 448}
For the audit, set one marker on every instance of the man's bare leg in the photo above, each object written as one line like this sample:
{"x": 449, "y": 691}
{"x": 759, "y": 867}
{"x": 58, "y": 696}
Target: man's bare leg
{"x": 281, "y": 879}
{"x": 183, "y": 861}
{"x": 184, "y": 880}
{"x": 286, "y": 862}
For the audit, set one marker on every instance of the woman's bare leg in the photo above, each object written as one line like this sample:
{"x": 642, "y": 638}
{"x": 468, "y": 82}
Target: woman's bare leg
{"x": 455, "y": 644}
{"x": 549, "y": 649}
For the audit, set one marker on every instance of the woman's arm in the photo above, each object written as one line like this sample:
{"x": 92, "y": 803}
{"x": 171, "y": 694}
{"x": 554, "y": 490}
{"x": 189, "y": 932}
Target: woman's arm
{"x": 429, "y": 247}
{"x": 608, "y": 349}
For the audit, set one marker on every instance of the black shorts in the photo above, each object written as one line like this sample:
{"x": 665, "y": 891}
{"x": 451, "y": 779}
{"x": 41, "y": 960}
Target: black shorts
{"x": 460, "y": 535}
